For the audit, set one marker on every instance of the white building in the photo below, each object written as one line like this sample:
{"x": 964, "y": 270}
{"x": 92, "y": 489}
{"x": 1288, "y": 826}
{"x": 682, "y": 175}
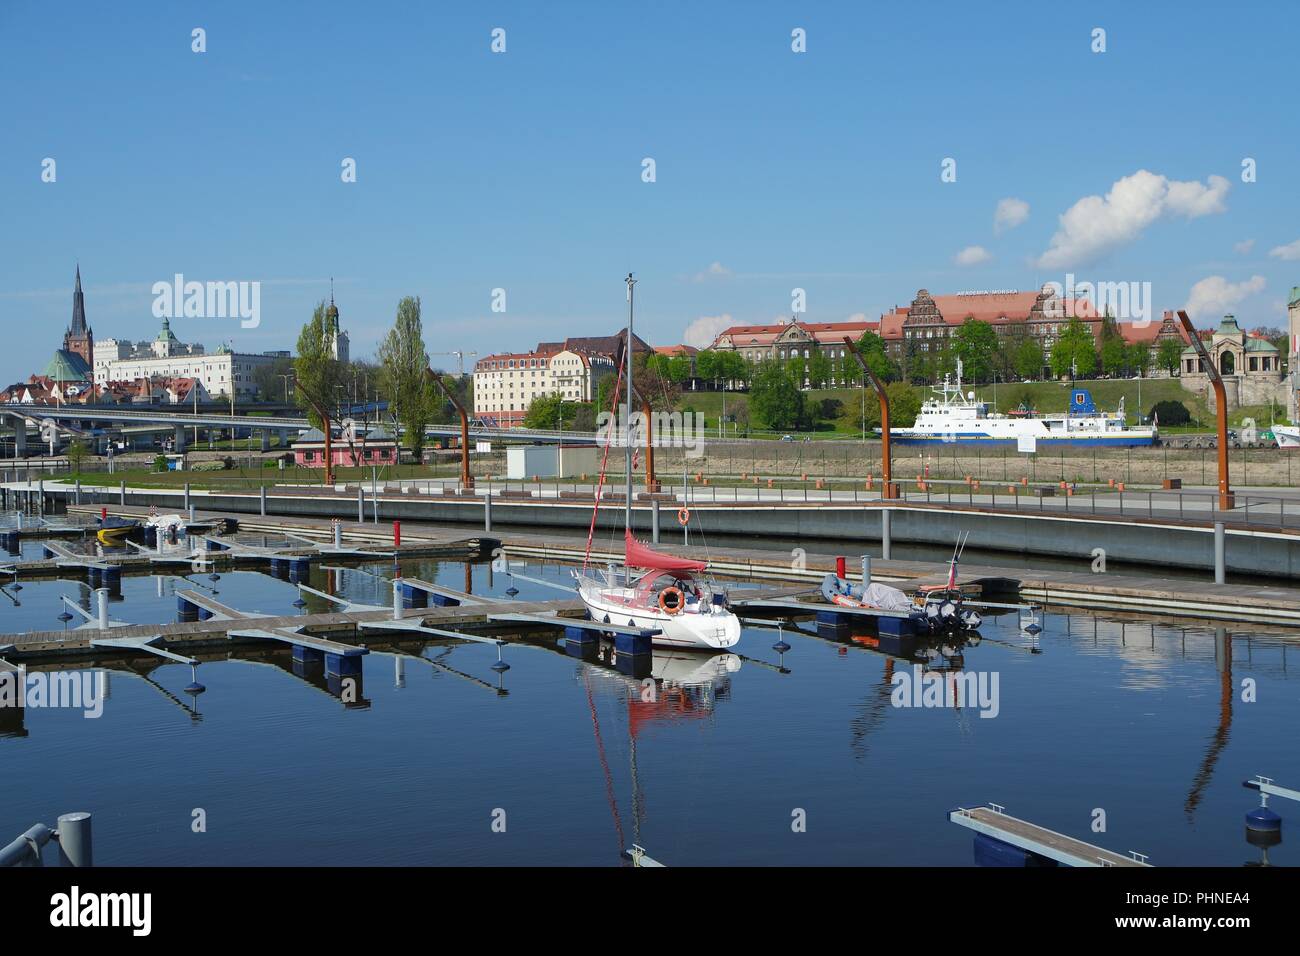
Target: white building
{"x": 168, "y": 357}
{"x": 506, "y": 384}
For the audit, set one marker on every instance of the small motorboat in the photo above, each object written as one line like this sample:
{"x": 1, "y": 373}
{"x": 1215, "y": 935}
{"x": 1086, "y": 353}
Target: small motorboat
{"x": 880, "y": 597}
{"x": 113, "y": 531}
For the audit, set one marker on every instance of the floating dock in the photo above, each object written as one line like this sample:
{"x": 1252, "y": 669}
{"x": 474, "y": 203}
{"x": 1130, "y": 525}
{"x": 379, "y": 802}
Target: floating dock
{"x": 1046, "y": 844}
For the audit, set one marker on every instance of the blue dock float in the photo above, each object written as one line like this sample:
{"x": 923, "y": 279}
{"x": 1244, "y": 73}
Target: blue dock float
{"x": 627, "y": 640}
{"x": 206, "y": 608}
{"x": 341, "y": 659}
{"x": 436, "y": 595}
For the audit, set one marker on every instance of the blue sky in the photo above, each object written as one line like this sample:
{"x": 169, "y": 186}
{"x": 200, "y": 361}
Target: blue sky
{"x": 523, "y": 170}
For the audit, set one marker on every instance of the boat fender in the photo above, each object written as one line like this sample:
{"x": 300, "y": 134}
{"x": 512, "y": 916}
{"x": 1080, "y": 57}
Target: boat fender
{"x": 678, "y": 600}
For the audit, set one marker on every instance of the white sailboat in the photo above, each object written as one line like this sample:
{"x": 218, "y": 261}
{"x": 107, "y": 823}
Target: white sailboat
{"x": 654, "y": 591}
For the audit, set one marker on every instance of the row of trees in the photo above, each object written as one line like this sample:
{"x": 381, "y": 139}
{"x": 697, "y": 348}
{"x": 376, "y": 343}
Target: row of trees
{"x": 322, "y": 383}
{"x": 984, "y": 355}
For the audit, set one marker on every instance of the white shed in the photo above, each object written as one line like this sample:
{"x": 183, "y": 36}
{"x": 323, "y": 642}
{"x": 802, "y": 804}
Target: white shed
{"x": 549, "y": 461}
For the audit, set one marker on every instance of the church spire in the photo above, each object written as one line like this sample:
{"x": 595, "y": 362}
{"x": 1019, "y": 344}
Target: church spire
{"x": 78, "y": 307}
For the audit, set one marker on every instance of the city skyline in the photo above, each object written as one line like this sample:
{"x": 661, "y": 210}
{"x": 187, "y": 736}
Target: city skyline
{"x": 774, "y": 169}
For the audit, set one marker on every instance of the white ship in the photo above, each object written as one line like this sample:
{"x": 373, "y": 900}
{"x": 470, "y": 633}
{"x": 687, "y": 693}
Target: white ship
{"x": 1287, "y": 436}
{"x": 952, "y": 418}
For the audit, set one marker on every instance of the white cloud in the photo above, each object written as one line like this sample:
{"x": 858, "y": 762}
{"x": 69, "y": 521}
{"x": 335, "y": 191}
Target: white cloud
{"x": 1094, "y": 225}
{"x": 1289, "y": 253}
{"x": 1214, "y": 295}
{"x": 701, "y": 333}
{"x": 972, "y": 256}
{"x": 1243, "y": 248}
{"x": 715, "y": 270}
{"x": 1009, "y": 214}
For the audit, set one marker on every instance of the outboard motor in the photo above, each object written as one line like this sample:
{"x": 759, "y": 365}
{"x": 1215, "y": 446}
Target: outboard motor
{"x": 971, "y": 620}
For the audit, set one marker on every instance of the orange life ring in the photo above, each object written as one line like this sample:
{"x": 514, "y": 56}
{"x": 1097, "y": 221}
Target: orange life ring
{"x": 683, "y": 516}
{"x": 677, "y": 606}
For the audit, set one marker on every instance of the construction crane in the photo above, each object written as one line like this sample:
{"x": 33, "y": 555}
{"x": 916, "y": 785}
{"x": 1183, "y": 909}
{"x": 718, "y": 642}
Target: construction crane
{"x": 460, "y": 360}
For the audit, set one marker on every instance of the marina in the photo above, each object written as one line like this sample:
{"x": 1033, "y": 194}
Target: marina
{"x": 691, "y": 437}
{"x": 360, "y": 628}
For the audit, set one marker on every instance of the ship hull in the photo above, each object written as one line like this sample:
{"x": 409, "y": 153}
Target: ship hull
{"x": 1134, "y": 440}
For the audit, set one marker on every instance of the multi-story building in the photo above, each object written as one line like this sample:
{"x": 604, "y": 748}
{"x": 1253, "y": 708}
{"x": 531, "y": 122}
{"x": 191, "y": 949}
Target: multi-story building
{"x": 923, "y": 329}
{"x": 222, "y": 373}
{"x": 793, "y": 340}
{"x": 505, "y": 384}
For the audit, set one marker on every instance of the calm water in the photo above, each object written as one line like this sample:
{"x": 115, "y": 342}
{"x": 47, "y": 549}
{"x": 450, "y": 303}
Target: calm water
{"x": 1129, "y": 718}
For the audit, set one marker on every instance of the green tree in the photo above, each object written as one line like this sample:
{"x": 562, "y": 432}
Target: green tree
{"x": 544, "y": 412}
{"x": 1139, "y": 358}
{"x": 1169, "y": 355}
{"x": 708, "y": 366}
{"x": 318, "y": 376}
{"x": 1028, "y": 359}
{"x": 734, "y": 367}
{"x": 976, "y": 344}
{"x": 403, "y": 360}
{"x": 1074, "y": 352}
{"x": 798, "y": 366}
{"x": 872, "y": 349}
{"x": 819, "y": 369}
{"x": 774, "y": 397}
{"x": 77, "y": 454}
{"x": 1114, "y": 355}
{"x": 605, "y": 392}
{"x": 270, "y": 386}
{"x": 679, "y": 369}
{"x": 904, "y": 404}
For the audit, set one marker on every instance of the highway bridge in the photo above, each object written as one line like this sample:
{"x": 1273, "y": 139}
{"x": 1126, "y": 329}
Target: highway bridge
{"x": 81, "y": 418}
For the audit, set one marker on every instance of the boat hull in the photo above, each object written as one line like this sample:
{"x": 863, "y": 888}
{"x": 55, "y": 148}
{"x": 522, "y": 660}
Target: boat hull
{"x": 704, "y": 632}
{"x": 1286, "y": 437}
{"x": 993, "y": 441}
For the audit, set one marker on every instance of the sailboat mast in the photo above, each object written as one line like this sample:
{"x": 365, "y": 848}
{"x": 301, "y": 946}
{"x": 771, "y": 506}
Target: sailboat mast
{"x": 627, "y": 355}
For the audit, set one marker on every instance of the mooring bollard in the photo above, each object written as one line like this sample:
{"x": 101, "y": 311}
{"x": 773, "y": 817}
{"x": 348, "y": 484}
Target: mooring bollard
{"x": 338, "y": 535}
{"x": 123, "y": 489}
{"x": 1220, "y": 567}
{"x": 397, "y": 599}
{"x": 487, "y": 510}
{"x": 654, "y": 521}
{"x": 191, "y": 512}
{"x": 75, "y": 847}
{"x": 866, "y": 570}
{"x": 263, "y": 501}
{"x": 885, "y": 534}
{"x": 188, "y": 507}
{"x": 101, "y": 597}
{"x": 77, "y": 492}
{"x": 397, "y": 534}
{"x": 361, "y": 505}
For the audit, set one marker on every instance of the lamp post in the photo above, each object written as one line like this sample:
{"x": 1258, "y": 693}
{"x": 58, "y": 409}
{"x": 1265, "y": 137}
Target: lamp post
{"x": 286, "y": 377}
